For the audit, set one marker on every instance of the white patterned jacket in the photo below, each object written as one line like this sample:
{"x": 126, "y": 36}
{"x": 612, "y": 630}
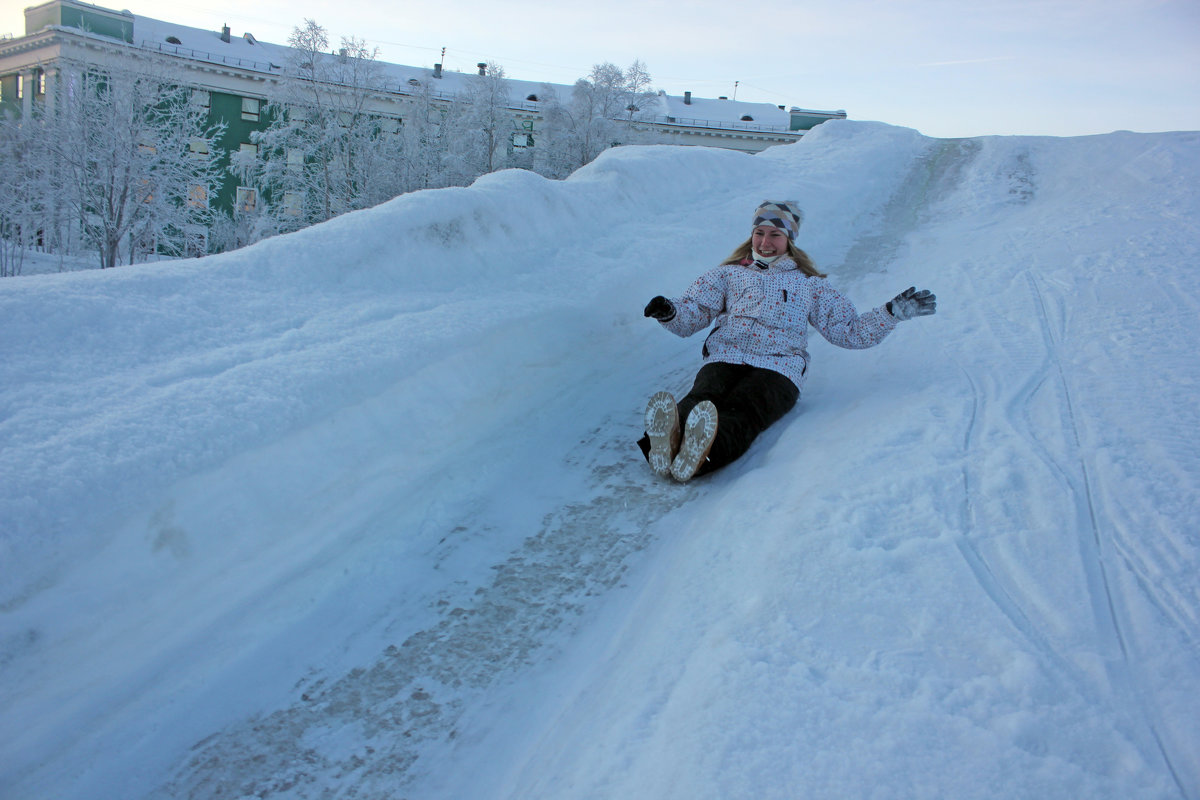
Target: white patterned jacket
{"x": 761, "y": 317}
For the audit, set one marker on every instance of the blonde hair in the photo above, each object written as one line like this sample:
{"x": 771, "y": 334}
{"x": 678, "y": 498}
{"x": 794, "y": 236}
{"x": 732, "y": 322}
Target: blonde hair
{"x": 744, "y": 251}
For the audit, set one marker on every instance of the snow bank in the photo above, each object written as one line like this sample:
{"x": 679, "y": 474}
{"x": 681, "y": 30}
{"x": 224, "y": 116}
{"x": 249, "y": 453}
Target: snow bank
{"x": 357, "y": 508}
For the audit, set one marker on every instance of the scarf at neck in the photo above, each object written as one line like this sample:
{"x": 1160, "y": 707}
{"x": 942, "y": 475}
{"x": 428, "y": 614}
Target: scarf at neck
{"x": 763, "y": 262}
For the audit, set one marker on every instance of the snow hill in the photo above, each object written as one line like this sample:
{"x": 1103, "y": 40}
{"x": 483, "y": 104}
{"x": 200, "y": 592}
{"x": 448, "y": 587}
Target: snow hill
{"x": 356, "y": 512}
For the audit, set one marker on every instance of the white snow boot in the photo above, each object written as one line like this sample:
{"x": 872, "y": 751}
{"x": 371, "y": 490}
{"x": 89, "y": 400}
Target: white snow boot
{"x": 662, "y": 426}
{"x": 698, "y": 437}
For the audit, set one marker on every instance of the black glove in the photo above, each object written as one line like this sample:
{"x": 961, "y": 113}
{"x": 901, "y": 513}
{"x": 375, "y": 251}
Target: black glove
{"x": 911, "y": 303}
{"x": 661, "y": 309}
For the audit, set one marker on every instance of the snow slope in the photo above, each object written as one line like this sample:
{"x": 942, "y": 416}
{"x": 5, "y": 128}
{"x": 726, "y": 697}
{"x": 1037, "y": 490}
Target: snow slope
{"x": 355, "y": 512}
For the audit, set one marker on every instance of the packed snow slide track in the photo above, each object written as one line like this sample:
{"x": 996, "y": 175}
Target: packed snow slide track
{"x": 412, "y": 694}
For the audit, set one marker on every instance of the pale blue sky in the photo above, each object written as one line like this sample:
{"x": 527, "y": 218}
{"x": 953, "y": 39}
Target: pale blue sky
{"x": 944, "y": 67}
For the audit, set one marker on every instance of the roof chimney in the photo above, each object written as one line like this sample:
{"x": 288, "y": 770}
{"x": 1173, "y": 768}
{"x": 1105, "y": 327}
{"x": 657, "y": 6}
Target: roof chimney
{"x": 437, "y": 70}
{"x": 687, "y": 98}
{"x": 482, "y": 67}
{"x": 225, "y": 33}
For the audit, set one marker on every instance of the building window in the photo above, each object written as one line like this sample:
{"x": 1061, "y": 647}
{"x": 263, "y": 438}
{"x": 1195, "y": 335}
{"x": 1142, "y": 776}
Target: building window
{"x": 295, "y": 161}
{"x": 201, "y": 98}
{"x": 247, "y": 147}
{"x": 250, "y": 108}
{"x": 247, "y": 199}
{"x": 291, "y": 204}
{"x": 198, "y": 148}
{"x": 197, "y": 196}
{"x": 39, "y": 83}
{"x": 20, "y": 87}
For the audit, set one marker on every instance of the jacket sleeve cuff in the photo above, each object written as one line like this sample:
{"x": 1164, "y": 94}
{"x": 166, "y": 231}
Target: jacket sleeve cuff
{"x": 885, "y": 316}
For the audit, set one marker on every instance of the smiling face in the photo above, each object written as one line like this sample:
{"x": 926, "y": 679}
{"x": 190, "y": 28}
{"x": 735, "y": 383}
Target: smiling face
{"x": 769, "y": 241}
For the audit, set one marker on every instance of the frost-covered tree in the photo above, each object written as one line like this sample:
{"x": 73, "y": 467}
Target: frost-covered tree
{"x": 431, "y": 142}
{"x": 639, "y": 92}
{"x": 486, "y": 125}
{"x": 325, "y": 153}
{"x": 23, "y": 174}
{"x": 596, "y": 116}
{"x": 136, "y": 159}
{"x": 554, "y": 154}
{"x": 114, "y": 160}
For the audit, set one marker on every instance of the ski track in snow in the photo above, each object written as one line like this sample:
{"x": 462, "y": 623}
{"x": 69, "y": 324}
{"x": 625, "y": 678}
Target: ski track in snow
{"x": 1067, "y": 460}
{"x": 935, "y": 175}
{"x": 1077, "y": 487}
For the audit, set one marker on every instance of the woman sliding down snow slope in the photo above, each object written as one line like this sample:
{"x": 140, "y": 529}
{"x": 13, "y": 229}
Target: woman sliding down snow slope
{"x": 760, "y": 303}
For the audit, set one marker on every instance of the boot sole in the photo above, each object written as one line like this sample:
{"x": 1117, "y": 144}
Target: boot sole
{"x": 698, "y": 437}
{"x": 662, "y": 426}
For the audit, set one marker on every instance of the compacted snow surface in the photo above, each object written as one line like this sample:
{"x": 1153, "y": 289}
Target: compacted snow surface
{"x": 357, "y": 513}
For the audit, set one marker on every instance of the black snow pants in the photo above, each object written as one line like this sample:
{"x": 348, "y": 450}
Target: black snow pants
{"x": 748, "y": 399}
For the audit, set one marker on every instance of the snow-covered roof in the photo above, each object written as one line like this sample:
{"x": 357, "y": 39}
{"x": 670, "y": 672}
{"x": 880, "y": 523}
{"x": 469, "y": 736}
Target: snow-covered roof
{"x": 242, "y": 51}
{"x": 248, "y": 52}
{"x": 245, "y": 51}
{"x": 724, "y": 111}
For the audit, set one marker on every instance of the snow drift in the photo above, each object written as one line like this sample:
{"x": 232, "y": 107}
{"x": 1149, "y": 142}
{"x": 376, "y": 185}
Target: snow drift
{"x": 356, "y": 512}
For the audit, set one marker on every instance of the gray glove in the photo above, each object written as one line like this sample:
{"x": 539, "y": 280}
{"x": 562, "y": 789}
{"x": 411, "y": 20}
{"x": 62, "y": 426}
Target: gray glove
{"x": 911, "y": 303}
{"x": 661, "y": 309}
